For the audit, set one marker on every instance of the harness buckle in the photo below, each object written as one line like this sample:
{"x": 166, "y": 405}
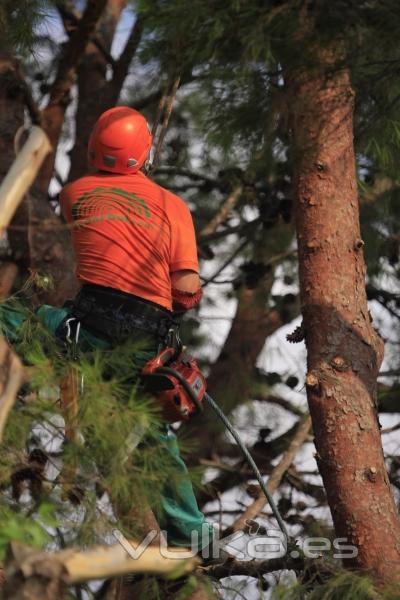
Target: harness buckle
{"x": 72, "y": 334}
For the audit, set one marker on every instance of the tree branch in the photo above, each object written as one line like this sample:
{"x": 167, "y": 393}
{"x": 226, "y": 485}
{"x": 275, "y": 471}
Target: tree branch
{"x": 71, "y": 21}
{"x": 254, "y": 568}
{"x": 262, "y": 452}
{"x": 53, "y": 114}
{"x": 276, "y": 476}
{"x": 74, "y": 50}
{"x": 121, "y": 66}
{"x": 12, "y": 377}
{"x": 47, "y": 574}
{"x": 223, "y": 212}
{"x": 280, "y": 402}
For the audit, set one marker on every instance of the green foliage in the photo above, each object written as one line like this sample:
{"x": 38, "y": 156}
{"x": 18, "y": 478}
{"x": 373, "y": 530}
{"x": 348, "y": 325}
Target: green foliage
{"x": 18, "y": 21}
{"x": 118, "y": 450}
{"x": 23, "y": 528}
{"x": 344, "y": 585}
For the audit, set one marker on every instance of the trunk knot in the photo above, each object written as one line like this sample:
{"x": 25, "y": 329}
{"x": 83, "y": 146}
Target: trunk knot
{"x": 371, "y": 474}
{"x": 358, "y": 244}
{"x": 339, "y": 364}
{"x": 320, "y": 166}
{"x": 312, "y": 381}
{"x": 312, "y": 246}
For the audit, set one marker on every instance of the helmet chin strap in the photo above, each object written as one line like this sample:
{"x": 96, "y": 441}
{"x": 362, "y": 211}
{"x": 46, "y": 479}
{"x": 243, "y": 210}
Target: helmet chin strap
{"x": 161, "y": 121}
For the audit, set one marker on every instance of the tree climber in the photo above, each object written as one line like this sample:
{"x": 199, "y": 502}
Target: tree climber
{"x": 136, "y": 257}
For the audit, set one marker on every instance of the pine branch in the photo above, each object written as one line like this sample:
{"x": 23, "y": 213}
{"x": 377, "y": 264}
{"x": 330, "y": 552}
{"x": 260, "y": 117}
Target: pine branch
{"x": 144, "y": 102}
{"x": 45, "y": 573}
{"x": 223, "y": 212}
{"x": 276, "y": 476}
{"x": 243, "y": 228}
{"x": 170, "y": 170}
{"x": 280, "y": 402}
{"x": 71, "y": 21}
{"x": 254, "y": 568}
{"x": 227, "y": 262}
{"x": 74, "y": 50}
{"x": 121, "y": 66}
{"x": 59, "y": 99}
{"x": 262, "y": 452}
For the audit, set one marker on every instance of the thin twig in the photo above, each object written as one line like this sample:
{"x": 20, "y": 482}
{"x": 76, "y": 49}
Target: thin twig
{"x": 231, "y": 257}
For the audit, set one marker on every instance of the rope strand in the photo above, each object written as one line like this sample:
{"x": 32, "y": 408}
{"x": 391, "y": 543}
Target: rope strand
{"x": 250, "y": 461}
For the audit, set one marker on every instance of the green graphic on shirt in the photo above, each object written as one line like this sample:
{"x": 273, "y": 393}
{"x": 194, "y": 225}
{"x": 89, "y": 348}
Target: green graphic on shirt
{"x": 114, "y": 204}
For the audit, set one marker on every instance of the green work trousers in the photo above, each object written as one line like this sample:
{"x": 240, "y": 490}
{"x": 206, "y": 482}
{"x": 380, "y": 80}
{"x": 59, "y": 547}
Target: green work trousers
{"x": 181, "y": 518}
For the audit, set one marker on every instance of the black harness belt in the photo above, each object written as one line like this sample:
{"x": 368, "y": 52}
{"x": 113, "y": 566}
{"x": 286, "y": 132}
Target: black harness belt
{"x": 115, "y": 315}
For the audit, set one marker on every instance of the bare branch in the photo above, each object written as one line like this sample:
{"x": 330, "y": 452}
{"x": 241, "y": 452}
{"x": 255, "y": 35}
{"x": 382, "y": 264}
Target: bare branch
{"x": 243, "y": 228}
{"x": 223, "y": 212}
{"x": 170, "y": 170}
{"x": 254, "y": 568}
{"x": 22, "y": 173}
{"x": 74, "y": 50}
{"x": 276, "y": 475}
{"x": 280, "y": 402}
{"x": 121, "y": 66}
{"x": 53, "y": 114}
{"x": 47, "y": 574}
{"x": 71, "y": 21}
{"x": 12, "y": 376}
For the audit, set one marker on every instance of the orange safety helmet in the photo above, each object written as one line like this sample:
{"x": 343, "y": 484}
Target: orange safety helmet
{"x": 120, "y": 141}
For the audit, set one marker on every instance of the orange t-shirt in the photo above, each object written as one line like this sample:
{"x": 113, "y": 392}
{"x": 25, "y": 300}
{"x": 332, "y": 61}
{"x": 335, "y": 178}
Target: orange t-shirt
{"x": 129, "y": 234}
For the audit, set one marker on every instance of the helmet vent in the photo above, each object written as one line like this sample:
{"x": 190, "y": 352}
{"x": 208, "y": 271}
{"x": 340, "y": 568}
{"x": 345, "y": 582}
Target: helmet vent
{"x": 132, "y": 162}
{"x": 109, "y": 161}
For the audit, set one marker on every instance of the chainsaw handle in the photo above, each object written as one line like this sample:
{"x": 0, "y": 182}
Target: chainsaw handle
{"x": 167, "y": 355}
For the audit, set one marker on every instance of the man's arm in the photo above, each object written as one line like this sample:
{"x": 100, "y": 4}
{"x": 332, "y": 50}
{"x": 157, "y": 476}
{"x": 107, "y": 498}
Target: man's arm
{"x": 186, "y": 290}
{"x": 185, "y": 280}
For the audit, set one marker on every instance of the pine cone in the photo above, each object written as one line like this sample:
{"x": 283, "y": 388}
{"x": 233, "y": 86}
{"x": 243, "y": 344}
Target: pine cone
{"x": 297, "y": 336}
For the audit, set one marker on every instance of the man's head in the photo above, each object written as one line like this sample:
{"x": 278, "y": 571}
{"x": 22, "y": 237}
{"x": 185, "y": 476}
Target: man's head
{"x": 120, "y": 141}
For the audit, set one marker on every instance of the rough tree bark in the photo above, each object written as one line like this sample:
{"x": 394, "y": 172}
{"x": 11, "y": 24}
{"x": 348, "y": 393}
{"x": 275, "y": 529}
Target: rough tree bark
{"x": 38, "y": 246}
{"x": 344, "y": 350}
{"x": 96, "y": 92}
{"x": 92, "y": 84}
{"x": 54, "y": 113}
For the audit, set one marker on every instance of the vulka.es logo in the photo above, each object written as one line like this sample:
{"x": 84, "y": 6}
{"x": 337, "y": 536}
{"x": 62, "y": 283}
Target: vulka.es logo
{"x": 272, "y": 544}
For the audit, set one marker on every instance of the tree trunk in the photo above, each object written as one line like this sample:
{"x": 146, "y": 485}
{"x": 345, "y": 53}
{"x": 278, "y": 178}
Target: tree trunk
{"x": 37, "y": 238}
{"x": 53, "y": 114}
{"x": 92, "y": 84}
{"x": 344, "y": 351}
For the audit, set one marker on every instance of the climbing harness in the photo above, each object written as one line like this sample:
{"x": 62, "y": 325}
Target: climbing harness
{"x": 181, "y": 392}
{"x": 115, "y": 316}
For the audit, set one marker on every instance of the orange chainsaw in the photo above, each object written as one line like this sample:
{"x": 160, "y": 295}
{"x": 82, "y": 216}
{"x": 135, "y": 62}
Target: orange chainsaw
{"x": 175, "y": 379}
